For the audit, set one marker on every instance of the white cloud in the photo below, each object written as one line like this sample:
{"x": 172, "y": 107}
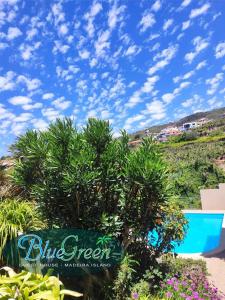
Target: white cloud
{"x": 31, "y": 33}
{"x": 167, "y": 24}
{"x": 156, "y": 5}
{"x": 102, "y": 43}
{"x": 168, "y": 97}
{"x": 199, "y": 11}
{"x": 61, "y": 103}
{"x": 147, "y": 88}
{"x": 40, "y": 124}
{"x": 147, "y": 21}
{"x": 149, "y": 84}
{"x": 131, "y": 120}
{"x": 186, "y": 25}
{"x": 3, "y": 46}
{"x": 28, "y": 50}
{"x": 24, "y": 117}
{"x": 166, "y": 55}
{"x": 50, "y": 113}
{"x": 36, "y": 105}
{"x": 157, "y": 110}
{"x": 20, "y": 100}
{"x": 84, "y": 54}
{"x": 13, "y": 32}
{"x": 6, "y": 82}
{"x": 200, "y": 44}
{"x": 132, "y": 50}
{"x": 18, "y": 128}
{"x": 31, "y": 84}
{"x": 201, "y": 65}
{"x": 220, "y": 50}
{"x": 63, "y": 29}
{"x": 214, "y": 83}
{"x": 95, "y": 9}
{"x": 183, "y": 77}
{"x": 48, "y": 96}
{"x": 114, "y": 15}
{"x": 187, "y": 103}
{"x": 185, "y": 3}
{"x": 59, "y": 47}
{"x": 93, "y": 62}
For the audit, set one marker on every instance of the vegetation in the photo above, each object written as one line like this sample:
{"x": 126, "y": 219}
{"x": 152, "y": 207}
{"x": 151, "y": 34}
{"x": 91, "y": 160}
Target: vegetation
{"x": 89, "y": 180}
{"x": 183, "y": 279}
{"x": 17, "y": 216}
{"x": 192, "y": 167}
{"x": 26, "y": 285}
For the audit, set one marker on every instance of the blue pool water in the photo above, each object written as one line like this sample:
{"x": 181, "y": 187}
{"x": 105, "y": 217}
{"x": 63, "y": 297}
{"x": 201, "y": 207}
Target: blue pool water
{"x": 203, "y": 233}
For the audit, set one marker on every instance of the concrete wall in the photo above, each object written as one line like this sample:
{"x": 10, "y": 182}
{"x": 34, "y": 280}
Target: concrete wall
{"x": 213, "y": 199}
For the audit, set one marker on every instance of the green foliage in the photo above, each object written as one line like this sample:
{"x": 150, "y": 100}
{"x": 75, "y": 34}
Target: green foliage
{"x": 26, "y": 285}
{"x": 184, "y": 137}
{"x": 89, "y": 180}
{"x": 192, "y": 168}
{"x": 162, "y": 280}
{"x": 17, "y": 216}
{"x": 124, "y": 278}
{"x": 176, "y": 266}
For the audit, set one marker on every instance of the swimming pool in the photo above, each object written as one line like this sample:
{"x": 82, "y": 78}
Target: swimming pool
{"x": 203, "y": 234}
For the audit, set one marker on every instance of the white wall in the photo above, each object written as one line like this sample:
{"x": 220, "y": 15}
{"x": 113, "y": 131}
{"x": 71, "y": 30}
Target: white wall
{"x": 213, "y": 199}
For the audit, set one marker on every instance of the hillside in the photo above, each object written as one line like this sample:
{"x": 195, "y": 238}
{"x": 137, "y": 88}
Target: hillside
{"x": 196, "y": 159}
{"x": 213, "y": 115}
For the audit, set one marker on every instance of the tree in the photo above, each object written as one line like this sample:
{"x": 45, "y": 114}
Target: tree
{"x": 90, "y": 180}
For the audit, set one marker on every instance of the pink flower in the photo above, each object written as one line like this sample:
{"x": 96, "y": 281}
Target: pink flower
{"x": 169, "y": 295}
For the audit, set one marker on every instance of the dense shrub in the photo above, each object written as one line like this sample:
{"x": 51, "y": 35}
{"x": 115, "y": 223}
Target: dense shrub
{"x": 178, "y": 265}
{"x": 90, "y": 180}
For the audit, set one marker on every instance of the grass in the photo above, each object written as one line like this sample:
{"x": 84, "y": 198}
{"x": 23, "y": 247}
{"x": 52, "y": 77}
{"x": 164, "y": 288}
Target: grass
{"x": 204, "y": 139}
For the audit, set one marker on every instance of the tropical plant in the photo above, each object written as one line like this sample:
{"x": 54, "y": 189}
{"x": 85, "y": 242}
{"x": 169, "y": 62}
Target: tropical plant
{"x": 124, "y": 278}
{"x": 26, "y": 285}
{"x": 17, "y": 216}
{"x": 88, "y": 179}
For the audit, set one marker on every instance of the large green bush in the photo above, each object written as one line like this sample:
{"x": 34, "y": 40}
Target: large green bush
{"x": 90, "y": 180}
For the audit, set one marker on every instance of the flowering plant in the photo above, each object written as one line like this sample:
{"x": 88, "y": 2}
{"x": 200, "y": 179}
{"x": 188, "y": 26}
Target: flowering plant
{"x": 191, "y": 285}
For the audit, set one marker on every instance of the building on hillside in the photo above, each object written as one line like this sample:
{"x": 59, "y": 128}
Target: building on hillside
{"x": 194, "y": 124}
{"x": 167, "y": 132}
{"x": 190, "y": 125}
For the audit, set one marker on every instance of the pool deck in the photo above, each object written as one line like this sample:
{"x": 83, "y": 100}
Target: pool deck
{"x": 215, "y": 259}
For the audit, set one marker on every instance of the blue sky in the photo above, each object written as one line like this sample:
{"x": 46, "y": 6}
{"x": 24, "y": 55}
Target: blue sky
{"x": 136, "y": 63}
